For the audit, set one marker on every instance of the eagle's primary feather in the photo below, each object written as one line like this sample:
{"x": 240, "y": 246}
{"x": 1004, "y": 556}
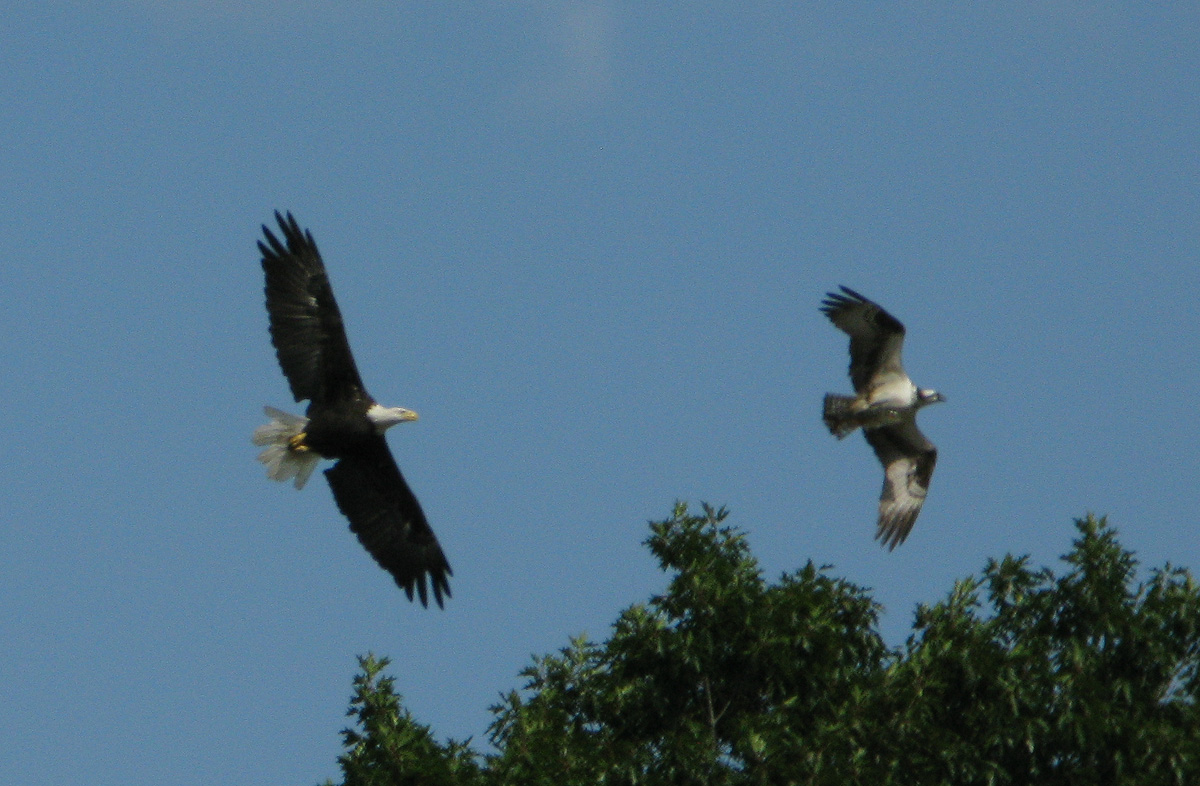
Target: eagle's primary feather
{"x": 305, "y": 321}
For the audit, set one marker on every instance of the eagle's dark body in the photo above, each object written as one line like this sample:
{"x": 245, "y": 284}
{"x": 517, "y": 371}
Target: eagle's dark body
{"x": 339, "y": 432}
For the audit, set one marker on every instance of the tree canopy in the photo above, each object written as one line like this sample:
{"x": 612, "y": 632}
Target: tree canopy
{"x": 1019, "y": 676}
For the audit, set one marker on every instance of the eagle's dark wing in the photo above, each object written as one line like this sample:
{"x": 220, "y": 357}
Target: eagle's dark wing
{"x": 306, "y": 325}
{"x": 372, "y": 494}
{"x": 876, "y": 337}
{"x": 908, "y": 459}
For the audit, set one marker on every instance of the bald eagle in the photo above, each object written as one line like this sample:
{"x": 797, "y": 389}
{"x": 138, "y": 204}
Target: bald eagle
{"x": 343, "y": 422}
{"x": 885, "y": 406}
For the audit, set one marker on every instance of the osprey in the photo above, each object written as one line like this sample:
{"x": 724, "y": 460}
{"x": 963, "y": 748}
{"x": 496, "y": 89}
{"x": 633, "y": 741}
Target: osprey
{"x": 342, "y": 422}
{"x": 885, "y": 406}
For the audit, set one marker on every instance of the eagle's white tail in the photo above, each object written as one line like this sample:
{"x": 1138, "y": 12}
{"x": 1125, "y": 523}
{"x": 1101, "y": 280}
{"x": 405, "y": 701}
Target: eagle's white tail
{"x": 282, "y": 461}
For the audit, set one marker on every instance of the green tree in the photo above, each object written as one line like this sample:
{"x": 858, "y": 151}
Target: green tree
{"x": 388, "y": 747}
{"x": 1018, "y": 677}
{"x": 1084, "y": 679}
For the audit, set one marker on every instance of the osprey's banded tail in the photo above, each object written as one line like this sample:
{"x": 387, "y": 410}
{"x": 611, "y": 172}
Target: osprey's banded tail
{"x": 839, "y": 415}
{"x": 283, "y": 462}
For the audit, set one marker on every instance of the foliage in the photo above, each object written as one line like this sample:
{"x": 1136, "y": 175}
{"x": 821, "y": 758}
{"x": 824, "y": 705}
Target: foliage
{"x": 1018, "y": 677}
{"x": 390, "y": 748}
{"x": 1083, "y": 679}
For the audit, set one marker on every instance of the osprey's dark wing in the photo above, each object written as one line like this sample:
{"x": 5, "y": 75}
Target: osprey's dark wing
{"x": 908, "y": 459}
{"x": 876, "y": 337}
{"x": 306, "y": 325}
{"x": 372, "y": 494}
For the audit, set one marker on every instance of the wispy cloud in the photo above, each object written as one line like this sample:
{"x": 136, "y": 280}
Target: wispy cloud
{"x": 574, "y": 69}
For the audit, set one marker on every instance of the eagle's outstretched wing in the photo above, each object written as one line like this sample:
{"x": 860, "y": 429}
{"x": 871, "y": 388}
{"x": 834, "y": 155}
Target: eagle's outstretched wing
{"x": 386, "y": 517}
{"x": 876, "y": 337}
{"x": 306, "y": 325}
{"x": 908, "y": 459}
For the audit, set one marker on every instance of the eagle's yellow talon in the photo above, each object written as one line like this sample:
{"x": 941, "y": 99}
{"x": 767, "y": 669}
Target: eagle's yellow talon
{"x": 296, "y": 443}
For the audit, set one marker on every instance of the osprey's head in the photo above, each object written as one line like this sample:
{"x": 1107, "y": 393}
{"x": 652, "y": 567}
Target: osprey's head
{"x": 384, "y": 418}
{"x": 925, "y": 397}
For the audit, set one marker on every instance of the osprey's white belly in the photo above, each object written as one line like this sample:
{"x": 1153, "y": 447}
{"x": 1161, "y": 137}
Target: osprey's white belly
{"x": 898, "y": 392}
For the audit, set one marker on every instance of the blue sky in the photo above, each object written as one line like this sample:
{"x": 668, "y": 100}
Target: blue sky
{"x": 586, "y": 242}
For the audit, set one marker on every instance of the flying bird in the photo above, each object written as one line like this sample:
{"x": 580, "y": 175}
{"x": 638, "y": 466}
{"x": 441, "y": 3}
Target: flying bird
{"x": 885, "y": 407}
{"x": 342, "y": 422}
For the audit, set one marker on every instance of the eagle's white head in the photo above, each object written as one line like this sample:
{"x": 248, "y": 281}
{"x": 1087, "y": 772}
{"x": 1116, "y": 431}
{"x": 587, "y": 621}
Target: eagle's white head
{"x": 926, "y": 396}
{"x": 384, "y": 418}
